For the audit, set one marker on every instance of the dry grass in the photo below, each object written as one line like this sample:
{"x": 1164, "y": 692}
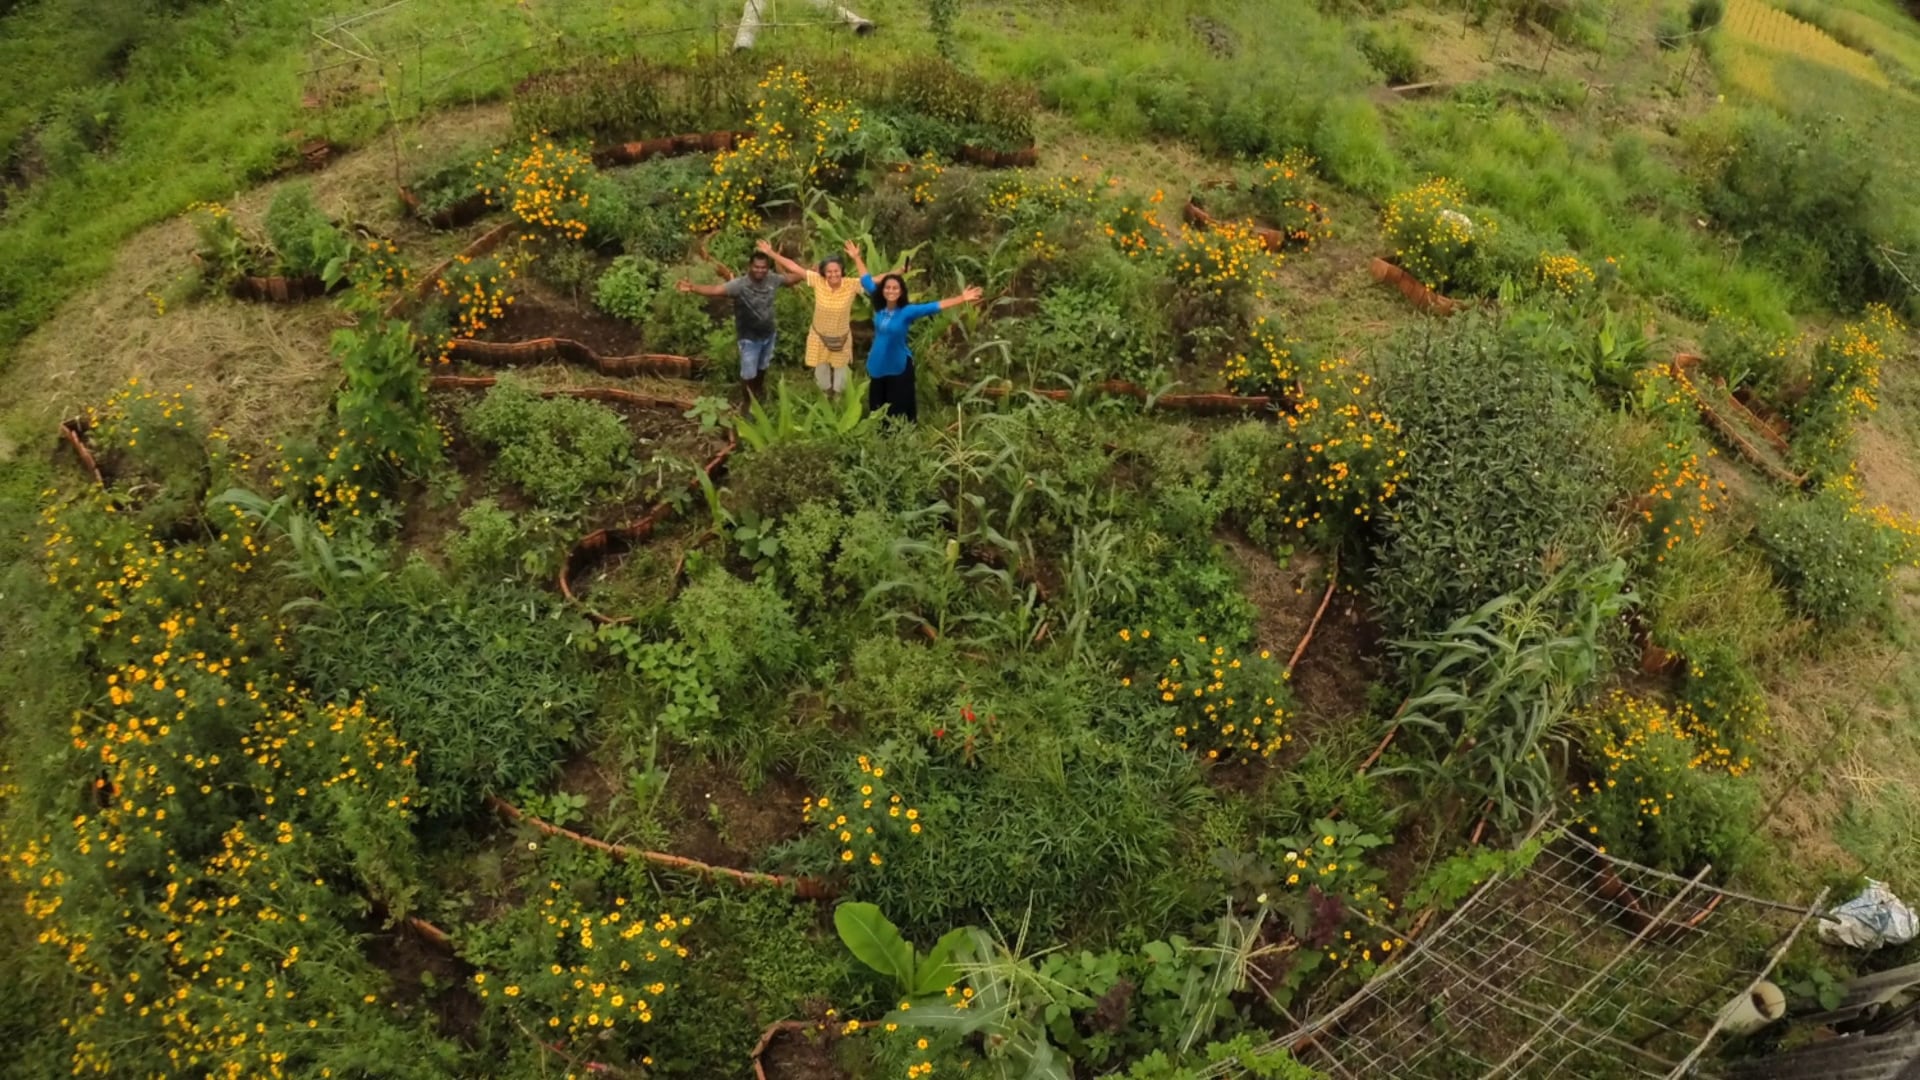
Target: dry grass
{"x": 1843, "y": 778}
{"x": 256, "y": 369}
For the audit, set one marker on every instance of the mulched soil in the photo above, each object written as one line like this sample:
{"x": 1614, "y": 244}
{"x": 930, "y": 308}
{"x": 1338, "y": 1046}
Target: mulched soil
{"x": 540, "y": 312}
{"x": 749, "y": 823}
{"x": 409, "y": 961}
{"x": 800, "y": 1056}
{"x": 655, "y": 430}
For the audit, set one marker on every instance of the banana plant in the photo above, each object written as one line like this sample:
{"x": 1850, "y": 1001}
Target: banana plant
{"x": 1012, "y": 998}
{"x": 832, "y": 226}
{"x": 794, "y": 418}
{"x": 918, "y": 977}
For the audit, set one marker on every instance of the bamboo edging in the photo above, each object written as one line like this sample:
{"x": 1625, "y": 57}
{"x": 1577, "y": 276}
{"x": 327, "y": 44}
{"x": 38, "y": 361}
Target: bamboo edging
{"x": 803, "y": 887}
{"x": 72, "y": 432}
{"x": 1274, "y": 240}
{"x": 1412, "y": 288}
{"x": 1333, "y": 582}
{"x": 1729, "y": 431}
{"x": 566, "y": 350}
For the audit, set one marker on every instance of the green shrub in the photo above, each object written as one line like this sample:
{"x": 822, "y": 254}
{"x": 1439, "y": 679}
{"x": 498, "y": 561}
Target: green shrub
{"x": 779, "y": 482}
{"x": 462, "y": 174}
{"x": 1087, "y": 333}
{"x": 307, "y": 241}
{"x": 627, "y": 288}
{"x": 1834, "y": 559}
{"x": 1351, "y": 142}
{"x": 568, "y": 268}
{"x": 1704, "y": 15}
{"x": 487, "y": 546}
{"x": 1653, "y": 798}
{"x": 744, "y": 633}
{"x": 1809, "y": 200}
{"x": 483, "y": 680}
{"x": 639, "y": 210}
{"x": 1502, "y": 482}
{"x": 678, "y": 322}
{"x": 558, "y": 450}
{"x": 1725, "y": 698}
{"x": 1746, "y": 354}
{"x": 383, "y": 405}
{"x": 1242, "y": 462}
{"x": 1392, "y": 53}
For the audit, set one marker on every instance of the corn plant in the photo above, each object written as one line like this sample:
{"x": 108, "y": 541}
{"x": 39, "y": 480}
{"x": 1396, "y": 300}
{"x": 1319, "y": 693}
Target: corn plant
{"x": 1494, "y": 689}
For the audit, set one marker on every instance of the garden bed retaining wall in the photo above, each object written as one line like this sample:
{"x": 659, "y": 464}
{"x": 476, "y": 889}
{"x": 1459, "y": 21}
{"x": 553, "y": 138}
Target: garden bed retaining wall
{"x": 1413, "y": 289}
{"x": 1272, "y": 239}
{"x": 1730, "y": 431}
{"x": 566, "y": 350}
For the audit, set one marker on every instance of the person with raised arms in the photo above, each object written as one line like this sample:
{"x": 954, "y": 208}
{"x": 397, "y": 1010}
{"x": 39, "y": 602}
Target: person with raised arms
{"x": 752, "y": 294}
{"x": 890, "y": 361}
{"x": 830, "y": 338}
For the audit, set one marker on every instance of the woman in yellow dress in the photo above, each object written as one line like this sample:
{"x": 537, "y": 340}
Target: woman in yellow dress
{"x": 830, "y": 341}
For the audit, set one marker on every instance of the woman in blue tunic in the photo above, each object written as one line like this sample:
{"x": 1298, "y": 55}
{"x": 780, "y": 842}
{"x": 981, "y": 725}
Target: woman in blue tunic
{"x": 890, "y": 363}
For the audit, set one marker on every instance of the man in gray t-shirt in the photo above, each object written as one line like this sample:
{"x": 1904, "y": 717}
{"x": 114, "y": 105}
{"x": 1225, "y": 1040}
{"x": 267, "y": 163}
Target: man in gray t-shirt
{"x": 753, "y": 322}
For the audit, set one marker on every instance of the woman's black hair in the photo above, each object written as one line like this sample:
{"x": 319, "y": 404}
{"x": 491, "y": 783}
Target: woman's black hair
{"x": 880, "y": 291}
{"x": 835, "y": 260}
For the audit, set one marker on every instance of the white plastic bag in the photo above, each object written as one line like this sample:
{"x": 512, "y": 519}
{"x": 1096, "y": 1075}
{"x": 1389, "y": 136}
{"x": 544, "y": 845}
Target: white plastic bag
{"x": 1874, "y": 918}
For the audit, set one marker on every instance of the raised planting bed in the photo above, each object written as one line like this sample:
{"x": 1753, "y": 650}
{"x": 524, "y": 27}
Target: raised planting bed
{"x": 1745, "y": 433}
{"x": 656, "y": 423}
{"x": 1221, "y": 404}
{"x": 565, "y": 350}
{"x": 1025, "y": 157}
{"x": 1412, "y": 288}
{"x": 632, "y": 153}
{"x": 464, "y": 212}
{"x": 605, "y": 543}
{"x": 1273, "y": 239}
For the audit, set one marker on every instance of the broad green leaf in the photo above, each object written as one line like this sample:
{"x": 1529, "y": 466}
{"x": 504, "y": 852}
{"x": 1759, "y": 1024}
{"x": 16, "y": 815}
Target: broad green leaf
{"x": 936, "y": 971}
{"x": 942, "y": 1018}
{"x": 874, "y": 940}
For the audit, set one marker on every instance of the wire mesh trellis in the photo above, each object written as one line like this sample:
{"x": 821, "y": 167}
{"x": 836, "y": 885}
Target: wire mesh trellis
{"x": 1583, "y": 965}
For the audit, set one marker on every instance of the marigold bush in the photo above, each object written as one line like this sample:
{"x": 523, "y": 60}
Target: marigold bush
{"x": 1346, "y": 457}
{"x": 1279, "y": 190}
{"x": 1430, "y": 233}
{"x": 1676, "y": 504}
{"x": 481, "y": 291}
{"x": 563, "y": 967}
{"x": 1655, "y": 796}
{"x": 202, "y": 896}
{"x": 1264, "y": 365}
{"x": 866, "y": 821}
{"x": 1224, "y": 707}
{"x": 545, "y": 189}
{"x": 800, "y": 141}
{"x": 1565, "y": 275}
